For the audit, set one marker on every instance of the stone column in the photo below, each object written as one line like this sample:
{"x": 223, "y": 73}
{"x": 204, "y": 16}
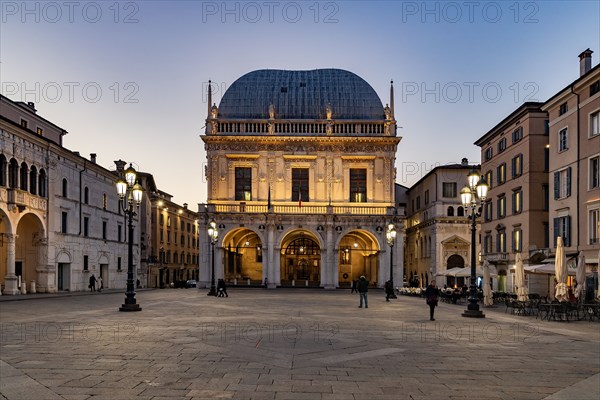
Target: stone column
{"x": 10, "y": 280}
{"x": 270, "y": 272}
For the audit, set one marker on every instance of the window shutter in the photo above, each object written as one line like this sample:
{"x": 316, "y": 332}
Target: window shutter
{"x": 556, "y": 185}
{"x": 568, "y": 181}
{"x": 556, "y": 225}
{"x": 513, "y": 166}
{"x": 512, "y": 241}
{"x": 567, "y": 238}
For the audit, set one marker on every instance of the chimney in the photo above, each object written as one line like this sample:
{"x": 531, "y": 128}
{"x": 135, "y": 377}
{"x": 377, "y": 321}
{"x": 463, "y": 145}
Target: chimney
{"x": 93, "y": 157}
{"x": 585, "y": 62}
{"x": 31, "y": 105}
{"x": 464, "y": 162}
{"x": 185, "y": 205}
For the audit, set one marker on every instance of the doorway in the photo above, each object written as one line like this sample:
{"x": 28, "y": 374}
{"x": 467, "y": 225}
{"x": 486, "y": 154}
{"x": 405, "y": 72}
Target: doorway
{"x": 63, "y": 276}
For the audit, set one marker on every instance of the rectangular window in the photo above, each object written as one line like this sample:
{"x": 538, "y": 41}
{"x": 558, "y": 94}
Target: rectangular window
{"x": 502, "y": 207}
{"x": 562, "y": 228}
{"x": 517, "y": 237}
{"x": 563, "y": 109}
{"x": 517, "y": 134}
{"x": 426, "y": 197}
{"x": 563, "y": 140}
{"x": 594, "y": 88}
{"x": 300, "y": 184}
{"x": 517, "y": 166}
{"x": 23, "y": 123}
{"x": 63, "y": 222}
{"x": 501, "y": 172}
{"x": 546, "y": 127}
{"x": 593, "y": 221}
{"x": 488, "y": 154}
{"x": 594, "y": 172}
{"x": 40, "y": 131}
{"x": 562, "y": 183}
{"x": 546, "y": 159}
{"x": 502, "y": 145}
{"x": 162, "y": 236}
{"x": 595, "y": 124}
{"x": 449, "y": 189}
{"x": 168, "y": 237}
{"x": 358, "y": 185}
{"x": 546, "y": 195}
{"x": 243, "y": 184}
{"x": 104, "y": 230}
{"x": 489, "y": 177}
{"x": 86, "y": 226}
{"x": 85, "y": 263}
{"x": 501, "y": 242}
{"x": 488, "y": 244}
{"x": 517, "y": 202}
{"x": 418, "y": 202}
{"x": 119, "y": 233}
{"x": 489, "y": 212}
{"x": 118, "y": 263}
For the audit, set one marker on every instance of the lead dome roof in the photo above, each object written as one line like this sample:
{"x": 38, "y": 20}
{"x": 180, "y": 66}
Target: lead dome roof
{"x": 301, "y": 95}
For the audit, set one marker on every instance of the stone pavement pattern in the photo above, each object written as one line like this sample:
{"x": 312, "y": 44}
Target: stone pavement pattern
{"x": 286, "y": 344}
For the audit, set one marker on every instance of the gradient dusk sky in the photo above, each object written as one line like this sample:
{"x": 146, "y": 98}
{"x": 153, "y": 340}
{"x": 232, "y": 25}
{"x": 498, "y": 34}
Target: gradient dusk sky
{"x": 128, "y": 79}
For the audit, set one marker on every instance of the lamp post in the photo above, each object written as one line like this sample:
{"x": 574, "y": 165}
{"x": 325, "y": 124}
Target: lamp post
{"x": 473, "y": 197}
{"x": 129, "y": 189}
{"x": 213, "y": 234}
{"x": 391, "y": 238}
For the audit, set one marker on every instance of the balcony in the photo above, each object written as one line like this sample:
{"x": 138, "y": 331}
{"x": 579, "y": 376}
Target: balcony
{"x": 307, "y": 208}
{"x": 21, "y": 200}
{"x": 497, "y": 257}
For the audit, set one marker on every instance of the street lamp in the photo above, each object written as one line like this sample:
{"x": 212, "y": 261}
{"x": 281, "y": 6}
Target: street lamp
{"x": 130, "y": 189}
{"x": 391, "y": 238}
{"x": 473, "y": 197}
{"x": 213, "y": 234}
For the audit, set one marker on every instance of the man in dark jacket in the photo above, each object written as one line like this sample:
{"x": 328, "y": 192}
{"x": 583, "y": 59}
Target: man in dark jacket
{"x": 431, "y": 294}
{"x": 389, "y": 290}
{"x": 363, "y": 288}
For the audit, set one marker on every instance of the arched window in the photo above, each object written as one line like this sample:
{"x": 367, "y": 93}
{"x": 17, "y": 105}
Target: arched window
{"x": 161, "y": 219}
{"x": 451, "y": 211}
{"x": 86, "y": 195}
{"x": 168, "y": 256}
{"x": 24, "y": 175}
{"x": 188, "y": 258}
{"x": 64, "y": 187}
{"x": 182, "y": 258}
{"x": 33, "y": 176}
{"x": 460, "y": 212}
{"x": 455, "y": 261}
{"x": 175, "y": 257}
{"x": 13, "y": 174}
{"x": 3, "y": 168}
{"x": 42, "y": 184}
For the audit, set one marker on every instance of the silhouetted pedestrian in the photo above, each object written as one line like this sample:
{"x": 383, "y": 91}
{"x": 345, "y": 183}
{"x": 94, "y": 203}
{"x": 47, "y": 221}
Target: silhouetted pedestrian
{"x": 92, "y": 284}
{"x": 431, "y": 294}
{"x": 363, "y": 288}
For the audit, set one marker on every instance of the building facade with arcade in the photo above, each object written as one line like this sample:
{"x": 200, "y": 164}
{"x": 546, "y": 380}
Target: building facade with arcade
{"x": 300, "y": 177}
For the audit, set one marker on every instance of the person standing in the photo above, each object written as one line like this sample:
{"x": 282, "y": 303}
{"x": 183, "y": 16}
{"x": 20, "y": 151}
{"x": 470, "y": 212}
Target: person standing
{"x": 92, "y": 284}
{"x": 431, "y": 294}
{"x": 99, "y": 283}
{"x": 363, "y": 288}
{"x": 389, "y": 290}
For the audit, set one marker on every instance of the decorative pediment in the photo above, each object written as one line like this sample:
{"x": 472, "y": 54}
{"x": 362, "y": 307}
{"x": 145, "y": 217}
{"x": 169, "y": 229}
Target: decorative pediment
{"x": 456, "y": 241}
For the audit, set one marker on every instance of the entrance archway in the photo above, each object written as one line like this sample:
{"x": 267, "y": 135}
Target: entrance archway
{"x": 301, "y": 260}
{"x": 358, "y": 254}
{"x": 30, "y": 234}
{"x": 242, "y": 257}
{"x": 455, "y": 261}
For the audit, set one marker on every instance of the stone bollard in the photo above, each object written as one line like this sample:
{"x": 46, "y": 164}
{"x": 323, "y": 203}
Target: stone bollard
{"x": 32, "y": 287}
{"x": 248, "y": 282}
{"x": 235, "y": 282}
{"x": 293, "y": 282}
{"x": 307, "y": 283}
{"x": 23, "y": 288}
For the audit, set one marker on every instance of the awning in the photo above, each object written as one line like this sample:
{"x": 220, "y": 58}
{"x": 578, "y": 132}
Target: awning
{"x": 548, "y": 269}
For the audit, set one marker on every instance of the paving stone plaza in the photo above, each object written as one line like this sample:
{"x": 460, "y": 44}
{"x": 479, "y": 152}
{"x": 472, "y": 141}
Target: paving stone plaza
{"x": 286, "y": 344}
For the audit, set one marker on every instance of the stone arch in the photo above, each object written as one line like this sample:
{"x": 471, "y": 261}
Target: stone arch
{"x": 242, "y": 255}
{"x": 300, "y": 253}
{"x": 358, "y": 252}
{"x": 31, "y": 248}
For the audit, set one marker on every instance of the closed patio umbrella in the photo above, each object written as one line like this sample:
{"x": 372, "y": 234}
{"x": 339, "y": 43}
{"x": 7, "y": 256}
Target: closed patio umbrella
{"x": 580, "y": 276}
{"x": 522, "y": 292}
{"x": 561, "y": 293}
{"x": 488, "y": 299}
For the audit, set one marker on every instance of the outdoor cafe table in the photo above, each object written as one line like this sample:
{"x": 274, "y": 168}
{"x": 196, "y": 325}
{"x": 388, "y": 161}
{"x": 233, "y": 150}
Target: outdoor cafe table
{"x": 592, "y": 310}
{"x": 553, "y": 311}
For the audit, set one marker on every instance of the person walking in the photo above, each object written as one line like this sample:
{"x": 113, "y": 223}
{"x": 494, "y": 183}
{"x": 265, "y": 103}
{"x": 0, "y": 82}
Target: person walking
{"x": 92, "y": 284}
{"x": 363, "y": 288}
{"x": 353, "y": 286}
{"x": 99, "y": 283}
{"x": 389, "y": 290}
{"x": 222, "y": 288}
{"x": 431, "y": 294}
